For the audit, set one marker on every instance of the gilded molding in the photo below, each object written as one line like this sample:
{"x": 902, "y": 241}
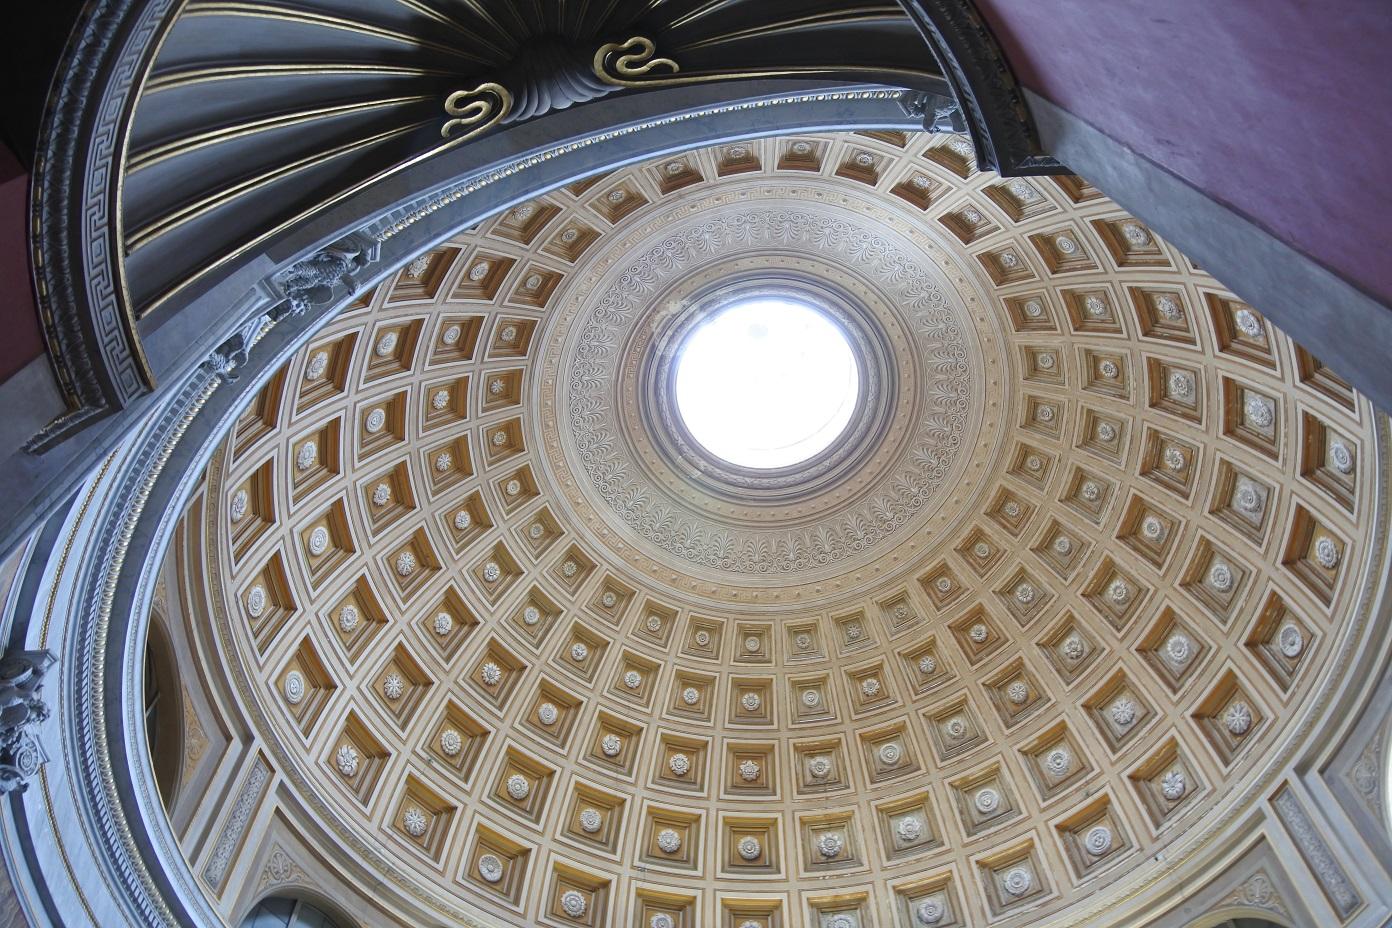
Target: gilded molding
{"x": 403, "y": 218}
{"x": 90, "y": 320}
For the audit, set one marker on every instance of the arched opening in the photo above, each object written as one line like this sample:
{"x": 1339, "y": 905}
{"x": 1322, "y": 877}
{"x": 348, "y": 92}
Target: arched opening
{"x": 285, "y": 912}
{"x": 1238, "y": 922}
{"x": 164, "y": 711}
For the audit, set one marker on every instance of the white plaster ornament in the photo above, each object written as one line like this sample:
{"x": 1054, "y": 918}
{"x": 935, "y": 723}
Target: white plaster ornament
{"x": 415, "y": 822}
{"x": 830, "y": 844}
{"x": 1017, "y": 882}
{"x": 573, "y": 903}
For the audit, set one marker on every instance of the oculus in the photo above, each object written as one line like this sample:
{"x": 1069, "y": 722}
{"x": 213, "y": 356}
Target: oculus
{"x": 766, "y": 382}
{"x": 865, "y": 280}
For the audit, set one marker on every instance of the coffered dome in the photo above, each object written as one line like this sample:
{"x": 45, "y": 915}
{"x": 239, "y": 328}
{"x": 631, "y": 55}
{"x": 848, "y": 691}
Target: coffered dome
{"x": 924, "y": 343}
{"x": 1031, "y": 625}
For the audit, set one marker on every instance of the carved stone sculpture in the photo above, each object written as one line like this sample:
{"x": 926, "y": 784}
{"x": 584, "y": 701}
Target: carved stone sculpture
{"x": 21, "y": 677}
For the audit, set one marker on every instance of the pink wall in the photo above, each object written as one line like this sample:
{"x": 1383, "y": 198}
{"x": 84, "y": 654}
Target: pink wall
{"x": 20, "y": 338}
{"x": 1279, "y": 109}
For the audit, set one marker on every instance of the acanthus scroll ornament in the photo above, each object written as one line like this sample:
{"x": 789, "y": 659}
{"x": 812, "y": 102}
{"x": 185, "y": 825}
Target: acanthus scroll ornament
{"x": 281, "y": 870}
{"x": 1366, "y": 774}
{"x": 1257, "y": 891}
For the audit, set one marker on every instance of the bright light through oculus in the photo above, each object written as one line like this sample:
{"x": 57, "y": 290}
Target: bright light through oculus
{"x": 766, "y": 383}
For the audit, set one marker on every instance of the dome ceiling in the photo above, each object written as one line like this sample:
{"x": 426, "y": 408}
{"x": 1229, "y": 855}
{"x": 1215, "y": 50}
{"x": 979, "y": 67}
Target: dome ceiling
{"x": 1010, "y": 652}
{"x": 925, "y": 341}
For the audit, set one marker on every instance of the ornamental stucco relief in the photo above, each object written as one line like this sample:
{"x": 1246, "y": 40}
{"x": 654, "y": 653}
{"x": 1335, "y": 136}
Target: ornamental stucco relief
{"x": 595, "y": 350}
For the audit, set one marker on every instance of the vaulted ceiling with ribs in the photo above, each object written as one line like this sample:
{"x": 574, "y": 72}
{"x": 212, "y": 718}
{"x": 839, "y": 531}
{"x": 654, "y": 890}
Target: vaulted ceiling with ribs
{"x": 257, "y": 113}
{"x": 511, "y": 647}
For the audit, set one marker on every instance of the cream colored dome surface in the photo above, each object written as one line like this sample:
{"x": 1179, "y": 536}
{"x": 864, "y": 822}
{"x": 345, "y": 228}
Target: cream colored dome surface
{"x": 1018, "y": 645}
{"x": 925, "y": 333}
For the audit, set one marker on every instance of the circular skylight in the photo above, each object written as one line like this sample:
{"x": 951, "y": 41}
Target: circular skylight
{"x": 766, "y": 382}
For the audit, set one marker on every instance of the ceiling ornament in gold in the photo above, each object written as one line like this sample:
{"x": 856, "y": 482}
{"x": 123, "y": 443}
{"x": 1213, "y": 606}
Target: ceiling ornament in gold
{"x": 476, "y": 111}
{"x": 626, "y": 64}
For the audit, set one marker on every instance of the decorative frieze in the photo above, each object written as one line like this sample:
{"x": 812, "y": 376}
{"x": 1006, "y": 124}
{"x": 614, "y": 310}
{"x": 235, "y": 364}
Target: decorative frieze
{"x": 1327, "y": 871}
